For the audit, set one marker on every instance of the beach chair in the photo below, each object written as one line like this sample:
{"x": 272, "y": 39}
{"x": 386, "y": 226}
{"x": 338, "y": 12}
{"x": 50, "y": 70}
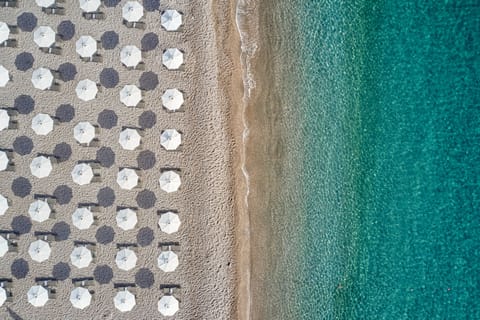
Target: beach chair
{"x": 54, "y": 10}
{"x": 83, "y": 282}
{"x": 165, "y": 246}
{"x": 52, "y": 50}
{"x": 139, "y": 66}
{"x": 45, "y": 236}
{"x": 9, "y": 4}
{"x": 9, "y": 43}
{"x": 135, "y": 25}
{"x": 49, "y": 282}
{"x": 93, "y": 15}
{"x": 170, "y": 289}
{"x": 6, "y": 283}
{"x": 12, "y": 247}
{"x": 131, "y": 246}
{"x": 9, "y": 295}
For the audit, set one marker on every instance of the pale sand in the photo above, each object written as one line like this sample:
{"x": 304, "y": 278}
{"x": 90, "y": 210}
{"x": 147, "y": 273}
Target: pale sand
{"x": 207, "y": 268}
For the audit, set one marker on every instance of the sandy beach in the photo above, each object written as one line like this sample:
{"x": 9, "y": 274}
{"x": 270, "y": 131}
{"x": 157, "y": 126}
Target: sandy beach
{"x": 206, "y": 201}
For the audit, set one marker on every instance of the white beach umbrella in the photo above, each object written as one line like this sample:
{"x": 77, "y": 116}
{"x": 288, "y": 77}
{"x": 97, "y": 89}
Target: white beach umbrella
{"x": 130, "y": 95}
{"x": 84, "y": 132}
{"x": 169, "y": 222}
{"x": 90, "y": 5}
{"x": 124, "y": 301}
{"x": 86, "y": 46}
{"x": 3, "y": 205}
{"x": 170, "y": 139}
{"x": 130, "y": 56}
{"x": 42, "y": 78}
{"x": 168, "y": 305}
{"x": 126, "y": 219}
{"x": 172, "y": 99}
{"x": 132, "y": 11}
{"x": 167, "y": 261}
{"x": 171, "y": 20}
{"x": 41, "y": 167}
{"x": 80, "y": 298}
{"x": 82, "y": 174}
{"x": 129, "y": 139}
{"x": 39, "y": 210}
{"x": 172, "y": 58}
{"x": 4, "y": 32}
{"x": 86, "y": 90}
{"x": 39, "y": 250}
{"x": 127, "y": 178}
{"x": 45, "y": 3}
{"x": 42, "y": 124}
{"x": 82, "y": 218}
{"x": 126, "y": 259}
{"x": 44, "y": 37}
{"x": 4, "y": 160}
{"x": 4, "y": 119}
{"x": 37, "y": 296}
{"x": 3, "y": 246}
{"x": 81, "y": 257}
{"x": 4, "y": 76}
{"x": 170, "y": 181}
{"x": 3, "y": 296}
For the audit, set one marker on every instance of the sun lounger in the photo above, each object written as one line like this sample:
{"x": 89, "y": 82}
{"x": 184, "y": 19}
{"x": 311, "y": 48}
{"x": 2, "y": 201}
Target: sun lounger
{"x": 11, "y": 43}
{"x": 52, "y": 50}
{"x": 83, "y": 282}
{"x": 54, "y": 10}
{"x": 136, "y": 25}
{"x": 93, "y": 15}
{"x": 9, "y": 4}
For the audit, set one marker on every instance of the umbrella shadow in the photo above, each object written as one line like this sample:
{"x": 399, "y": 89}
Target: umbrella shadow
{"x": 14, "y": 315}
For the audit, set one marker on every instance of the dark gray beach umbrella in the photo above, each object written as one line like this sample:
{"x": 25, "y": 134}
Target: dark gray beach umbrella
{"x": 105, "y": 197}
{"x": 107, "y": 119}
{"x": 63, "y": 194}
{"x": 147, "y": 119}
{"x": 62, "y": 151}
{"x": 144, "y": 278}
{"x": 23, "y": 145}
{"x": 66, "y": 30}
{"x": 24, "y": 61}
{"x": 109, "y": 40}
{"x": 151, "y": 5}
{"x": 27, "y": 21}
{"x": 21, "y": 224}
{"x": 146, "y": 199}
{"x": 103, "y": 274}
{"x": 19, "y": 268}
{"x": 24, "y": 104}
{"x": 145, "y": 236}
{"x": 105, "y": 235}
{"x": 111, "y": 3}
{"x": 21, "y": 187}
{"x": 146, "y": 160}
{"x": 148, "y": 81}
{"x": 61, "y": 271}
{"x": 65, "y": 113}
{"x": 149, "y": 41}
{"x": 61, "y": 230}
{"x": 68, "y": 71}
{"x": 106, "y": 157}
{"x": 109, "y": 78}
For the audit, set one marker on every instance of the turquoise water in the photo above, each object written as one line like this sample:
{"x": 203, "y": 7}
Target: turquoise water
{"x": 390, "y": 98}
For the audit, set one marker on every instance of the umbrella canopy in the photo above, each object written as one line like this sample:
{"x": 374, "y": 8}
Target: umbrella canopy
{"x": 81, "y": 257}
{"x": 129, "y": 139}
{"x": 3, "y": 205}
{"x": 82, "y": 174}
{"x": 130, "y": 95}
{"x": 41, "y": 167}
{"x": 42, "y": 78}
{"x": 126, "y": 219}
{"x": 39, "y": 250}
{"x": 130, "y": 56}
{"x": 4, "y": 32}
{"x": 90, "y": 5}
{"x": 4, "y": 119}
{"x": 169, "y": 181}
{"x": 45, "y": 3}
{"x": 42, "y": 124}
{"x": 44, "y": 37}
{"x": 82, "y": 218}
{"x": 3, "y": 246}
{"x": 132, "y": 11}
{"x": 167, "y": 261}
{"x": 126, "y": 259}
{"x": 172, "y": 99}
{"x": 39, "y": 211}
{"x": 80, "y": 298}
{"x": 170, "y": 139}
{"x": 86, "y": 46}
{"x": 84, "y": 132}
{"x": 127, "y": 178}
{"x": 37, "y": 296}
{"x": 168, "y": 305}
{"x": 3, "y": 296}
{"x": 4, "y": 76}
{"x": 169, "y": 222}
{"x": 124, "y": 301}
{"x": 172, "y": 58}
{"x": 4, "y": 160}
{"x": 86, "y": 90}
{"x": 171, "y": 20}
